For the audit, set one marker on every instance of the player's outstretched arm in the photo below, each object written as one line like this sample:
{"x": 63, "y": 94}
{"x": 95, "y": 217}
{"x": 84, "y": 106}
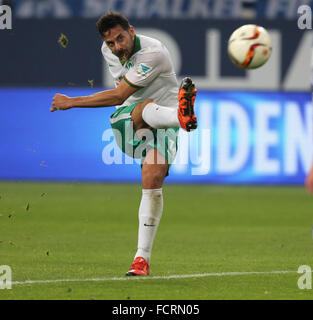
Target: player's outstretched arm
{"x": 97, "y": 100}
{"x": 309, "y": 181}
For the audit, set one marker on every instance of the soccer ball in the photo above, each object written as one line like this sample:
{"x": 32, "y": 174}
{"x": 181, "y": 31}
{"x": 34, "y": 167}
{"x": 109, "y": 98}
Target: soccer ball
{"x": 249, "y": 46}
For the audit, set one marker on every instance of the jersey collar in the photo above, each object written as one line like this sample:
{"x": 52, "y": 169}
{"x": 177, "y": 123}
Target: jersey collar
{"x": 137, "y": 45}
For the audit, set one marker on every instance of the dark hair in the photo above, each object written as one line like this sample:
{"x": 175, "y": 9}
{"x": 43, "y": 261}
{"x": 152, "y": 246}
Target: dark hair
{"x": 111, "y": 20}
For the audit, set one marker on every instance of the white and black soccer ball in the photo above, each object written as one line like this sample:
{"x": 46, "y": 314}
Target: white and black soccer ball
{"x": 249, "y": 46}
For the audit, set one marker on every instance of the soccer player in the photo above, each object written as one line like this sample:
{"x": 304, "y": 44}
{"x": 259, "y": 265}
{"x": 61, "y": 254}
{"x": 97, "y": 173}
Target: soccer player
{"x": 147, "y": 98}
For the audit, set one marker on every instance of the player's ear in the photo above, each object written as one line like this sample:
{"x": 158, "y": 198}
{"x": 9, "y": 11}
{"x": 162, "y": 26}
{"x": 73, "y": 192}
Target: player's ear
{"x": 132, "y": 31}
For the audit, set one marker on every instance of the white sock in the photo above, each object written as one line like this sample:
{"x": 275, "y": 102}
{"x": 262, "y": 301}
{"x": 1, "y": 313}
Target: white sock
{"x": 150, "y": 212}
{"x": 160, "y": 117}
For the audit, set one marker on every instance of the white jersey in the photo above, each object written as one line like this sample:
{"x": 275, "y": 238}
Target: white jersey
{"x": 149, "y": 68}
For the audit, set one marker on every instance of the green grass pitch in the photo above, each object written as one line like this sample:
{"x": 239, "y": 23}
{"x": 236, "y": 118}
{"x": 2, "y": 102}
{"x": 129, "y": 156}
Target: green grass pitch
{"x": 51, "y": 231}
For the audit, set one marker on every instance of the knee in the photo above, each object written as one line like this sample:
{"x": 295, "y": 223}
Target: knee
{"x": 143, "y": 104}
{"x": 137, "y": 115}
{"x": 152, "y": 179}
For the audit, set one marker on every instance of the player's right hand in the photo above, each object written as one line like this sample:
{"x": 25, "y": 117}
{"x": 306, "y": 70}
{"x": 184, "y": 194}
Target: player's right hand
{"x": 60, "y": 102}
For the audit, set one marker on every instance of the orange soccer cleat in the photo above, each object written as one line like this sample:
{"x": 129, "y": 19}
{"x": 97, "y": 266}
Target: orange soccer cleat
{"x": 186, "y": 99}
{"x": 140, "y": 267}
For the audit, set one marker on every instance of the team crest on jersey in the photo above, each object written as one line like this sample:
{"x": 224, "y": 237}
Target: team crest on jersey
{"x": 143, "y": 69}
{"x": 129, "y": 64}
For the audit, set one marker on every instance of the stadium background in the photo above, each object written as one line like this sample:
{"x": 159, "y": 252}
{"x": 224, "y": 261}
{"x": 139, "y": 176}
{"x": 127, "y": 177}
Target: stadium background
{"x": 258, "y": 123}
{"x": 65, "y": 238}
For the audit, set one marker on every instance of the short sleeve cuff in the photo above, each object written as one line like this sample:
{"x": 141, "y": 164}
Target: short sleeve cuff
{"x": 132, "y": 84}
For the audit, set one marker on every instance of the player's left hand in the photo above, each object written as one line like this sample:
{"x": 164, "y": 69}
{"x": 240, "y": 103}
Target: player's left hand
{"x": 309, "y": 181}
{"x": 61, "y": 102}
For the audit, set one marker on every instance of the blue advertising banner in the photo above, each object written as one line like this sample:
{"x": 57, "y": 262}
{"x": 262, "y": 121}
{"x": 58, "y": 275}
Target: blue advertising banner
{"x": 243, "y": 137}
{"x": 263, "y": 138}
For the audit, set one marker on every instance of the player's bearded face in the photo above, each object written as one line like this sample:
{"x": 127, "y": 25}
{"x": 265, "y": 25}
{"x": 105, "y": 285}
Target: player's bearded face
{"x": 121, "y": 42}
{"x": 125, "y": 49}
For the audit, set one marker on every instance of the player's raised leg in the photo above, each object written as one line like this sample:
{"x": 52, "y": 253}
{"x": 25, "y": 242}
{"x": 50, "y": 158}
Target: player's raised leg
{"x": 186, "y": 97}
{"x": 150, "y": 211}
{"x": 150, "y": 114}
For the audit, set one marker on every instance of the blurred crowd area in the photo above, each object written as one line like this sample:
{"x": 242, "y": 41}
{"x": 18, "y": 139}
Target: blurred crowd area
{"x": 159, "y": 9}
